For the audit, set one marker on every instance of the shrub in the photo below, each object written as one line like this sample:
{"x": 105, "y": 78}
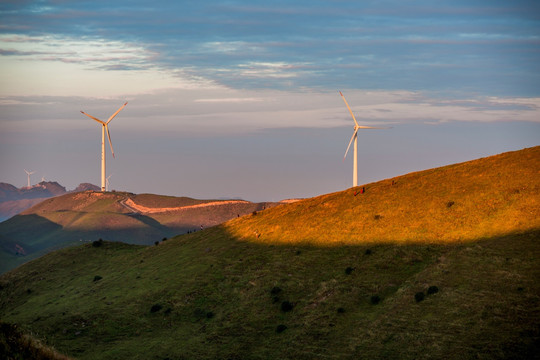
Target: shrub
{"x": 368, "y": 252}
{"x": 432, "y": 290}
{"x": 209, "y": 315}
{"x": 450, "y": 204}
{"x": 155, "y": 308}
{"x": 254, "y": 213}
{"x": 275, "y": 290}
{"x": 286, "y": 306}
{"x": 377, "y": 217}
{"x": 281, "y": 328}
{"x": 97, "y": 278}
{"x": 349, "y": 270}
{"x": 275, "y": 299}
{"x": 97, "y": 243}
{"x": 164, "y": 239}
{"x": 340, "y": 310}
{"x": 419, "y": 296}
{"x": 375, "y": 299}
{"x": 156, "y": 243}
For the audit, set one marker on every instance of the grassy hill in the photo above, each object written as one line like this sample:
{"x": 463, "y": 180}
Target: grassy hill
{"x": 448, "y": 269}
{"x": 81, "y": 217}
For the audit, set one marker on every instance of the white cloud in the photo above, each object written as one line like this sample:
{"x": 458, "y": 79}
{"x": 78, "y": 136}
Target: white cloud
{"x": 63, "y": 66}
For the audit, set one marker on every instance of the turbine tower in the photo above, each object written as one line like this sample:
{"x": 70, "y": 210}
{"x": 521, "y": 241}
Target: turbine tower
{"x": 28, "y": 173}
{"x": 355, "y": 138}
{"x": 105, "y": 128}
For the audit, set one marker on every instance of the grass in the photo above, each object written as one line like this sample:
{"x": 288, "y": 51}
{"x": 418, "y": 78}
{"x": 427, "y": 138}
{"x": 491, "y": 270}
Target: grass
{"x": 487, "y": 304}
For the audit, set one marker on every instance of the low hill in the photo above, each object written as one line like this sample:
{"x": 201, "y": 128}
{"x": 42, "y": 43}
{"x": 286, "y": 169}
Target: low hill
{"x": 441, "y": 265}
{"x": 115, "y": 216}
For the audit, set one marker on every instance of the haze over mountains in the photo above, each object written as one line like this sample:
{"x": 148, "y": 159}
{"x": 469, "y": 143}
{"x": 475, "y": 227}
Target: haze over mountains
{"x": 77, "y": 217}
{"x": 437, "y": 264}
{"x": 13, "y": 200}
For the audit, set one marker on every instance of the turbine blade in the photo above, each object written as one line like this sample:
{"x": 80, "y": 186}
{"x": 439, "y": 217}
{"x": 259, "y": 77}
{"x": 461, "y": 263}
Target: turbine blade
{"x": 348, "y": 107}
{"x": 91, "y": 117}
{"x": 109, "y": 136}
{"x": 116, "y": 113}
{"x": 350, "y": 142}
{"x": 373, "y": 127}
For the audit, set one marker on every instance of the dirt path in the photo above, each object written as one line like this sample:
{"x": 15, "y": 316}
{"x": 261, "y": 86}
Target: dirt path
{"x": 132, "y": 206}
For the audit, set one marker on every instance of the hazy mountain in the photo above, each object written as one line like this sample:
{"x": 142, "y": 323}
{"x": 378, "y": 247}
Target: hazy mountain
{"x": 13, "y": 200}
{"x": 115, "y": 216}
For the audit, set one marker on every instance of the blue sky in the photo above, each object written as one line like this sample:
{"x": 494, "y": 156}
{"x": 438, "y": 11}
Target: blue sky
{"x": 240, "y": 98}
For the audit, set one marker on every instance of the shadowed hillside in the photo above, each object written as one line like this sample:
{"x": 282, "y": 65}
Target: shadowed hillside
{"x": 448, "y": 270}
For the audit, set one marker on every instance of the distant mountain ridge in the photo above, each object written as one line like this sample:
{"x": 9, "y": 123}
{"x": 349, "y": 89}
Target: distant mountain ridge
{"x": 86, "y": 216}
{"x": 14, "y": 200}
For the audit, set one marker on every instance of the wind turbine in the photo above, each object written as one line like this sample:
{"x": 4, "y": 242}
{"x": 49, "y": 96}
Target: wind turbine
{"x": 105, "y": 127}
{"x": 28, "y": 173}
{"x": 107, "y": 183}
{"x": 355, "y": 138}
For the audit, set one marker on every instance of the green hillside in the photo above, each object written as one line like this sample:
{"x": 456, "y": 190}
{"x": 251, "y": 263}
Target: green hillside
{"x": 447, "y": 270}
{"x": 82, "y": 217}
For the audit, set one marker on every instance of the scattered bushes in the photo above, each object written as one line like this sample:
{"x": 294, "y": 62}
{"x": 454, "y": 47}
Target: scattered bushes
{"x": 349, "y": 270}
{"x": 432, "y": 290}
{"x": 97, "y": 278}
{"x": 155, "y": 308}
{"x": 419, "y": 296}
{"x": 375, "y": 299}
{"x": 281, "y": 328}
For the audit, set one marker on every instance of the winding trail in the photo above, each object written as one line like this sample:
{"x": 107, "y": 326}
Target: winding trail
{"x": 129, "y": 204}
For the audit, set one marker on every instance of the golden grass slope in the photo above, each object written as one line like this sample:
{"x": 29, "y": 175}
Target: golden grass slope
{"x": 483, "y": 198}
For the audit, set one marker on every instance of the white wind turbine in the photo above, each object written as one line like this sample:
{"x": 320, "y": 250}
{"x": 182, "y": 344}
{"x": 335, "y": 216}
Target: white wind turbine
{"x": 355, "y": 138}
{"x": 107, "y": 184}
{"x": 105, "y": 127}
{"x": 28, "y": 173}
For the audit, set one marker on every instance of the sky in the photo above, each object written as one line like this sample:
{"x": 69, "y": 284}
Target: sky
{"x": 239, "y": 99}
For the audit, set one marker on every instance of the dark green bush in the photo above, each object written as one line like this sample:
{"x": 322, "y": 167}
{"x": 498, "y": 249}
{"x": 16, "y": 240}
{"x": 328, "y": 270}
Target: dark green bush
{"x": 368, "y": 252}
{"x": 450, "y": 204}
{"x": 419, "y": 296}
{"x": 97, "y": 278}
{"x": 286, "y": 306}
{"x": 432, "y": 290}
{"x": 97, "y": 243}
{"x": 375, "y": 299}
{"x": 349, "y": 270}
{"x": 340, "y": 310}
{"x": 281, "y": 328}
{"x": 275, "y": 290}
{"x": 155, "y": 308}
